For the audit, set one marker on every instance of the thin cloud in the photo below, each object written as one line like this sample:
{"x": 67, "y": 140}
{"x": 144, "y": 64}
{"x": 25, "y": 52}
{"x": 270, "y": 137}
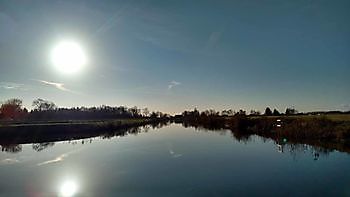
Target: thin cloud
{"x": 59, "y": 86}
{"x": 173, "y": 84}
{"x": 11, "y": 86}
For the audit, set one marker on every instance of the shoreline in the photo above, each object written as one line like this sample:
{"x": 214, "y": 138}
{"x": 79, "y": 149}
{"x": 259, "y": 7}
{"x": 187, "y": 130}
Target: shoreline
{"x": 52, "y": 132}
{"x": 315, "y": 130}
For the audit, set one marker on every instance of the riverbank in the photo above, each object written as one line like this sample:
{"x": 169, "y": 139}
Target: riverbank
{"x": 51, "y": 131}
{"x": 324, "y": 131}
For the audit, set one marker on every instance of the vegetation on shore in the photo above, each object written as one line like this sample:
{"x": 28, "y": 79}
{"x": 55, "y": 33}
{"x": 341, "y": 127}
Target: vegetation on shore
{"x": 12, "y": 111}
{"x": 321, "y": 130}
{"x": 47, "y": 122}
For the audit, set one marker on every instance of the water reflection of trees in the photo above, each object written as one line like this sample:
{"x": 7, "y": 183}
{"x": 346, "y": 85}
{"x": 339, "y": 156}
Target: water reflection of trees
{"x": 16, "y": 148}
{"x": 296, "y": 150}
{"x": 241, "y": 137}
{"x": 282, "y": 146}
{"x": 41, "y": 146}
{"x": 292, "y": 148}
{"x": 11, "y": 148}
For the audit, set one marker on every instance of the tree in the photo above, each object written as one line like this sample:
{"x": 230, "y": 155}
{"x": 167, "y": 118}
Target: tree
{"x": 291, "y": 111}
{"x": 12, "y": 148}
{"x": 241, "y": 113}
{"x": 145, "y": 112}
{"x": 254, "y": 113}
{"x": 43, "y": 105}
{"x": 134, "y": 111}
{"x": 230, "y": 112}
{"x": 195, "y": 112}
{"x": 41, "y": 146}
{"x": 227, "y": 112}
{"x": 276, "y": 112}
{"x": 268, "y": 112}
{"x": 12, "y": 109}
{"x": 153, "y": 115}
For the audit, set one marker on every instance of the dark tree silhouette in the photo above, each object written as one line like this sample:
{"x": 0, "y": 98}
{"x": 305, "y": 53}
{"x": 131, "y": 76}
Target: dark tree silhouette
{"x": 268, "y": 112}
{"x": 47, "y": 110}
{"x": 43, "y": 105}
{"x": 254, "y": 113}
{"x": 291, "y": 111}
{"x": 241, "y": 112}
{"x": 11, "y": 148}
{"x": 227, "y": 112}
{"x": 276, "y": 112}
{"x": 145, "y": 112}
{"x": 41, "y": 146}
{"x": 12, "y": 109}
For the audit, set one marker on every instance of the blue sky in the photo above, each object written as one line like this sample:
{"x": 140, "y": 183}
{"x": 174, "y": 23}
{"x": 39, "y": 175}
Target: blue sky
{"x": 177, "y": 55}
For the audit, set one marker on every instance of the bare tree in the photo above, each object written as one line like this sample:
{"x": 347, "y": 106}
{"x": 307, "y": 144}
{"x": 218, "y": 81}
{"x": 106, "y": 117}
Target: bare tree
{"x": 43, "y": 105}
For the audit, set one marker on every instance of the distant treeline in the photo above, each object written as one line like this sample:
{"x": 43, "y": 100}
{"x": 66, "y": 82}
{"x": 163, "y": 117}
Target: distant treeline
{"x": 268, "y": 112}
{"x": 13, "y": 109}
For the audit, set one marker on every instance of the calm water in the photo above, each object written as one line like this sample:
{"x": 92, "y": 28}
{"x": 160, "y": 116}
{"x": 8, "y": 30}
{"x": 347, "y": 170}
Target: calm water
{"x": 173, "y": 161}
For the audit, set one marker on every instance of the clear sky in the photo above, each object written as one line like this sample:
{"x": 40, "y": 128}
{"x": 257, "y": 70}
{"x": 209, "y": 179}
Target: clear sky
{"x": 177, "y": 55}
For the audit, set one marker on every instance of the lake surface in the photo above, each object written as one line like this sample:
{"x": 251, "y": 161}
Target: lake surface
{"x": 173, "y": 161}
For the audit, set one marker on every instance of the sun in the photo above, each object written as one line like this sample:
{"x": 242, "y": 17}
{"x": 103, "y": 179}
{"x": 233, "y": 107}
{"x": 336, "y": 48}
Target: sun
{"x": 68, "y": 57}
{"x": 68, "y": 189}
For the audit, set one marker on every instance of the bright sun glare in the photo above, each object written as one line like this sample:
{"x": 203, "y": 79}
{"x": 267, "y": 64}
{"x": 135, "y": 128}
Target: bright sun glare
{"x": 68, "y": 188}
{"x": 68, "y": 57}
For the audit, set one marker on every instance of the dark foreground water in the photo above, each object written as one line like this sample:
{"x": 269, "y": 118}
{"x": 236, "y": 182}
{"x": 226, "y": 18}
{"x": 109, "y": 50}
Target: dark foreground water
{"x": 173, "y": 161}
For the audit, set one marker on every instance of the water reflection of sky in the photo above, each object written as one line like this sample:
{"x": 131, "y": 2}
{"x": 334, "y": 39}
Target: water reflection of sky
{"x": 172, "y": 161}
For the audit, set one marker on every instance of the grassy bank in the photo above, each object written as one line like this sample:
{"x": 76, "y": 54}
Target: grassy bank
{"x": 329, "y": 131}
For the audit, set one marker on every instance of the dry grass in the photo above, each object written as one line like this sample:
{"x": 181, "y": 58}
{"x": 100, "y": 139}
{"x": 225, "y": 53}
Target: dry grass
{"x": 334, "y": 117}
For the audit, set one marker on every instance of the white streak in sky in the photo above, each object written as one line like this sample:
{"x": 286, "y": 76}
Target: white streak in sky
{"x": 173, "y": 84}
{"x": 12, "y": 86}
{"x": 59, "y": 86}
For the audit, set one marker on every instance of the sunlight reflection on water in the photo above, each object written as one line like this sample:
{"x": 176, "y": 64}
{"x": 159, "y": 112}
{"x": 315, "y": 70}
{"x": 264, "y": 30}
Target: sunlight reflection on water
{"x": 68, "y": 188}
{"x": 170, "y": 160}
